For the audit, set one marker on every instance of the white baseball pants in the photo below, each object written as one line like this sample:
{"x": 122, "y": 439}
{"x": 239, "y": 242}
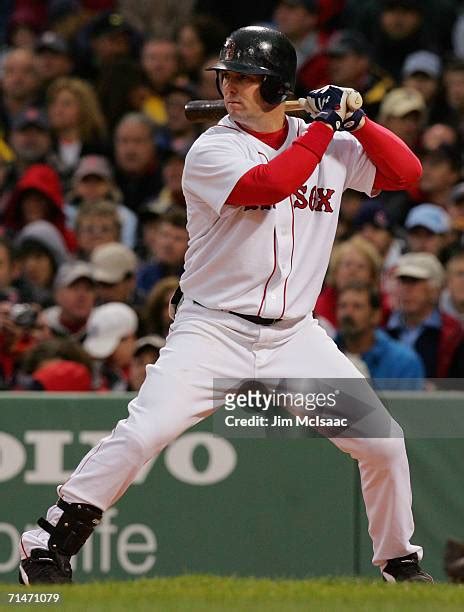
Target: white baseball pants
{"x": 206, "y": 344}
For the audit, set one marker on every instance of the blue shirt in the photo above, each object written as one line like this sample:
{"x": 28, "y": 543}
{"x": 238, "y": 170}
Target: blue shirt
{"x": 392, "y": 364}
{"x": 409, "y": 335}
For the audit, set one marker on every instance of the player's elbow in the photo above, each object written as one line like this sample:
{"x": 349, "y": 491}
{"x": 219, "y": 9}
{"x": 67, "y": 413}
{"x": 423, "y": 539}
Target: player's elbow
{"x": 411, "y": 173}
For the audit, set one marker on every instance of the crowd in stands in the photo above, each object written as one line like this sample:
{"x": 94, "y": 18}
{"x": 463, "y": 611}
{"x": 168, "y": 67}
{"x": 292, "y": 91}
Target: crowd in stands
{"x": 93, "y": 139}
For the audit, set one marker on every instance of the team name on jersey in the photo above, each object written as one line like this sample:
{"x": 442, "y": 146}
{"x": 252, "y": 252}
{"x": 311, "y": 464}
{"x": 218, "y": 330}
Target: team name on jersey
{"x": 318, "y": 198}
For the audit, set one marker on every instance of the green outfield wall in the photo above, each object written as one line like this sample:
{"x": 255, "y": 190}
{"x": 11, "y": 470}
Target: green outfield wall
{"x": 265, "y": 507}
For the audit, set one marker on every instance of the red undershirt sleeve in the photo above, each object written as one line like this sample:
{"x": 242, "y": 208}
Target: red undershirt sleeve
{"x": 271, "y": 183}
{"x": 396, "y": 165}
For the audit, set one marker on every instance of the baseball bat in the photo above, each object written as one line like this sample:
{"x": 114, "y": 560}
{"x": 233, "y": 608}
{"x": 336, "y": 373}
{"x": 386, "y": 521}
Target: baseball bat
{"x": 210, "y": 110}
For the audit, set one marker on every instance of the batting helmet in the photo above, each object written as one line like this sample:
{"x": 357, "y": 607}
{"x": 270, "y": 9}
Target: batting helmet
{"x": 263, "y": 51}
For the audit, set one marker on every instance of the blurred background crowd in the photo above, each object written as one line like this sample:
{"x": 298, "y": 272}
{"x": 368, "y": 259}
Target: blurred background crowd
{"x": 93, "y": 139}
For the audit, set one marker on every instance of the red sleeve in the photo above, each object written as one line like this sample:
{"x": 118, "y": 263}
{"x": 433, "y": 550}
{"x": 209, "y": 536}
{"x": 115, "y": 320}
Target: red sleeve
{"x": 397, "y": 166}
{"x": 270, "y": 183}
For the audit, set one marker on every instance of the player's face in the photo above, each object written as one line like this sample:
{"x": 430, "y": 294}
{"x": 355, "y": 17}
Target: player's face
{"x": 242, "y": 95}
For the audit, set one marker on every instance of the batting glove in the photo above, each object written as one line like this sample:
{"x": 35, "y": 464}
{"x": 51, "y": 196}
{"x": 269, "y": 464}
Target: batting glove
{"x": 352, "y": 120}
{"x": 327, "y": 104}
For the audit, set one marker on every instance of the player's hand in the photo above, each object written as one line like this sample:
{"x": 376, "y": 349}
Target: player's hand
{"x": 353, "y": 120}
{"x": 328, "y": 98}
{"x": 327, "y": 104}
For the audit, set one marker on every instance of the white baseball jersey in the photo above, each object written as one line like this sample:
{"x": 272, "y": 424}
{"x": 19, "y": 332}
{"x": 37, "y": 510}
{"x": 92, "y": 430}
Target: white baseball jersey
{"x": 268, "y": 261}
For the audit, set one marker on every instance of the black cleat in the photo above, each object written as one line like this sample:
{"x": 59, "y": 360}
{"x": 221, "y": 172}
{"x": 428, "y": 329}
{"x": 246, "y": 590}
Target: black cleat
{"x": 45, "y": 567}
{"x": 405, "y": 569}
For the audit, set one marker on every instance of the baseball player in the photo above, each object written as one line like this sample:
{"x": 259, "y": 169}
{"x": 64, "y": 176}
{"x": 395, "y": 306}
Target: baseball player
{"x": 263, "y": 195}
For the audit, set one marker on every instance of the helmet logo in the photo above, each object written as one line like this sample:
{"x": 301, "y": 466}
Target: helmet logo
{"x": 229, "y": 49}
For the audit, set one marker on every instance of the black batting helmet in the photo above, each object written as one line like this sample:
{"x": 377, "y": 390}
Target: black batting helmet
{"x": 263, "y": 51}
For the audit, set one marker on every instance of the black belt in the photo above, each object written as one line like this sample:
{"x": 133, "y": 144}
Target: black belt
{"x": 252, "y": 318}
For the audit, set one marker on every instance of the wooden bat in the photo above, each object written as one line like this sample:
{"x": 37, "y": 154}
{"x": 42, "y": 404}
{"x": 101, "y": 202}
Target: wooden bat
{"x": 210, "y": 110}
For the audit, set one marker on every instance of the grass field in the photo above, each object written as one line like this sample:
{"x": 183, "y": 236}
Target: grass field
{"x": 216, "y": 594}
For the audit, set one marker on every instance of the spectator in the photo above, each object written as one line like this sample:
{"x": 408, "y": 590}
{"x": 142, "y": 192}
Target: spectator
{"x": 111, "y": 343}
{"x": 156, "y": 318}
{"x": 299, "y": 20}
{"x": 170, "y": 247}
{"x": 350, "y": 65}
{"x": 179, "y": 133}
{"x": 52, "y": 58}
{"x": 12, "y": 289}
{"x": 146, "y": 353}
{"x": 138, "y": 171}
{"x": 438, "y": 134}
{"x": 456, "y": 212}
{"x": 403, "y": 112}
{"x": 355, "y": 260}
{"x": 123, "y": 88}
{"x": 26, "y": 22}
{"x": 112, "y": 38}
{"x": 97, "y": 223}
{"x": 422, "y": 71}
{"x": 207, "y": 88}
{"x": 160, "y": 62}
{"x": 38, "y": 196}
{"x": 92, "y": 181}
{"x": 31, "y": 141}
{"x": 74, "y": 295}
{"x": 200, "y": 37}
{"x": 20, "y": 329}
{"x": 399, "y": 30}
{"x": 375, "y": 225}
{"x": 77, "y": 122}
{"x": 172, "y": 195}
{"x": 40, "y": 252}
{"x": 453, "y": 80}
{"x": 58, "y": 364}
{"x": 20, "y": 85}
{"x": 428, "y": 227}
{"x": 452, "y": 297}
{"x": 418, "y": 321}
{"x": 391, "y": 365}
{"x": 441, "y": 170}
{"x": 114, "y": 269}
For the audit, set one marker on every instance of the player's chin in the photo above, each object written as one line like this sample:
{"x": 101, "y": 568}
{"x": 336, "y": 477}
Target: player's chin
{"x": 235, "y": 108}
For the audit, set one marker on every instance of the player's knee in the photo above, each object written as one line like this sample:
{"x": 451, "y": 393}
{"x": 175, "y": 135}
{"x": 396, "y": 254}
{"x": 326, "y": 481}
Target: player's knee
{"x": 141, "y": 444}
{"x": 382, "y": 451}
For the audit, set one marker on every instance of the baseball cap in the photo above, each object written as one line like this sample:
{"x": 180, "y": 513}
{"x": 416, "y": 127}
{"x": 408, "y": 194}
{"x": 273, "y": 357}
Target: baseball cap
{"x": 93, "y": 165}
{"x": 109, "y": 23}
{"x": 374, "y": 213}
{"x": 107, "y": 326}
{"x": 112, "y": 262}
{"x": 69, "y": 273}
{"x": 50, "y": 41}
{"x": 430, "y": 216}
{"x": 423, "y": 266}
{"x": 31, "y": 117}
{"x": 400, "y": 102}
{"x": 457, "y": 193}
{"x": 43, "y": 235}
{"x": 348, "y": 41}
{"x": 422, "y": 61}
{"x": 153, "y": 341}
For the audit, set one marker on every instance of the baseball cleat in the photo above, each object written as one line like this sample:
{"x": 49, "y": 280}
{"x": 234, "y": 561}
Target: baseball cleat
{"x": 405, "y": 569}
{"x": 45, "y": 567}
